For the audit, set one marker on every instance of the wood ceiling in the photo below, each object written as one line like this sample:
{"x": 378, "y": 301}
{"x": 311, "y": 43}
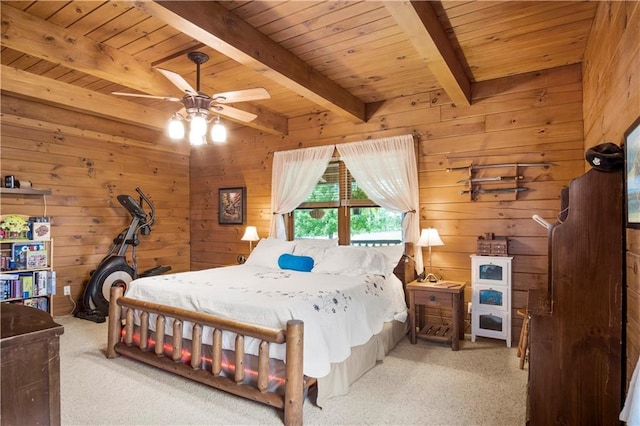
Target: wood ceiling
{"x": 312, "y": 56}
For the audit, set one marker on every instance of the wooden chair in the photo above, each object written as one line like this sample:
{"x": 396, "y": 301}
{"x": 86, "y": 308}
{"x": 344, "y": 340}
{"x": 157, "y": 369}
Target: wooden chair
{"x": 523, "y": 344}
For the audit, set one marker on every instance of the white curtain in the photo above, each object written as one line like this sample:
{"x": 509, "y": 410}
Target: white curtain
{"x": 295, "y": 173}
{"x": 386, "y": 170}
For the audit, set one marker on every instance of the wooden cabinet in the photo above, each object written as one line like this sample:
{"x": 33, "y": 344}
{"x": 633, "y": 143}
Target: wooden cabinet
{"x": 440, "y": 295}
{"x": 27, "y": 275}
{"x": 29, "y": 367}
{"x": 575, "y": 327}
{"x": 491, "y": 299}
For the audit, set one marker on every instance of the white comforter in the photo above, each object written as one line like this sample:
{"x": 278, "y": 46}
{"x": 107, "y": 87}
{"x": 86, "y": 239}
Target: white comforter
{"x": 338, "y": 311}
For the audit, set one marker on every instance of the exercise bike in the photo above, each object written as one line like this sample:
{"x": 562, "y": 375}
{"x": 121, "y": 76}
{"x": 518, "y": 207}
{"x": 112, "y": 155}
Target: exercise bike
{"x": 114, "y": 269}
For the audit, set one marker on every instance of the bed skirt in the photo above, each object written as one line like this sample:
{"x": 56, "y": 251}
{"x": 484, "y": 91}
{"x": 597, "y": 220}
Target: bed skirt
{"x": 362, "y": 359}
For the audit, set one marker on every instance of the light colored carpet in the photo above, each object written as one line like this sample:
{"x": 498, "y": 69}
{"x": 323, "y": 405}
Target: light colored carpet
{"x": 422, "y": 384}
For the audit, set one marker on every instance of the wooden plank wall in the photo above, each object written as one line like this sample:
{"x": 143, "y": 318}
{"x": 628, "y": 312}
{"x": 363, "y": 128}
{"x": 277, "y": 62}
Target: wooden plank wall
{"x": 86, "y": 162}
{"x": 535, "y": 117}
{"x": 611, "y": 104}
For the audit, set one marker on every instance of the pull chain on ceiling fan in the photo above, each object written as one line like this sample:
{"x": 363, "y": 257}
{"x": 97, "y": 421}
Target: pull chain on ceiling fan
{"x": 198, "y": 106}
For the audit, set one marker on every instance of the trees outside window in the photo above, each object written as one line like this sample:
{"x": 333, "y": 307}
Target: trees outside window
{"x": 338, "y": 208}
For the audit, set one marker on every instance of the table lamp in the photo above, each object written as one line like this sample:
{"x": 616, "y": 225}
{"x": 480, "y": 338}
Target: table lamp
{"x": 429, "y": 238}
{"x": 251, "y": 235}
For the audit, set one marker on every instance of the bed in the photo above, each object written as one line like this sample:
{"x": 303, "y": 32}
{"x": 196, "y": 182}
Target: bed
{"x": 298, "y": 318}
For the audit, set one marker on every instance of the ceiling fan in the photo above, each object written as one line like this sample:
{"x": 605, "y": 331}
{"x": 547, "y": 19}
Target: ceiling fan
{"x": 198, "y": 103}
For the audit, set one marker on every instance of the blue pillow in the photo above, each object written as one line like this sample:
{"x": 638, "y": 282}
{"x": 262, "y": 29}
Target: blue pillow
{"x": 296, "y": 263}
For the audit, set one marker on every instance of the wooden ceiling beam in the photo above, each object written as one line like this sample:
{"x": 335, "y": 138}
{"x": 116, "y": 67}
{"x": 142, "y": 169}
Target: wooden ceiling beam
{"x": 419, "y": 21}
{"x": 31, "y": 86}
{"x": 218, "y": 28}
{"x": 41, "y": 39}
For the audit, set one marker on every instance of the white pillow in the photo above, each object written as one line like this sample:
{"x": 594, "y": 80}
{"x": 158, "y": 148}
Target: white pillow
{"x": 317, "y": 253}
{"x": 306, "y": 243}
{"x": 392, "y": 254}
{"x": 267, "y": 252}
{"x": 349, "y": 260}
{"x": 315, "y": 248}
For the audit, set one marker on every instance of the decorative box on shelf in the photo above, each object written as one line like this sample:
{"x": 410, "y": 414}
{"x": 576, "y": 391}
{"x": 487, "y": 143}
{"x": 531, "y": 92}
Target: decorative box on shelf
{"x": 490, "y": 245}
{"x": 40, "y": 228}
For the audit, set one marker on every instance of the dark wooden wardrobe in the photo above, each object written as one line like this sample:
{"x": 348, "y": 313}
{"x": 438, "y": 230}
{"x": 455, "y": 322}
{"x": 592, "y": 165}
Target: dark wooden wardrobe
{"x": 576, "y": 357}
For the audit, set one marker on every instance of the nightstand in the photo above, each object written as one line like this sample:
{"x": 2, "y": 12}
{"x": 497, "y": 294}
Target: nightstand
{"x": 442, "y": 294}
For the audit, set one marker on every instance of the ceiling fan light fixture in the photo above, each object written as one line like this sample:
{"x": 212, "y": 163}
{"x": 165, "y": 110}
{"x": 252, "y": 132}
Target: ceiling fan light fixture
{"x": 199, "y": 124}
{"x": 199, "y": 107}
{"x": 176, "y": 127}
{"x": 218, "y": 131}
{"x": 196, "y": 139}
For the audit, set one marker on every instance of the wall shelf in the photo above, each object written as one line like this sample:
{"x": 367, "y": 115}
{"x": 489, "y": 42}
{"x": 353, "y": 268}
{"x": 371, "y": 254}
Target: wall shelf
{"x": 25, "y": 191}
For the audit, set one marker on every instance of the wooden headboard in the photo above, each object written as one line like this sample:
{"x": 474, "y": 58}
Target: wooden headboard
{"x": 406, "y": 269}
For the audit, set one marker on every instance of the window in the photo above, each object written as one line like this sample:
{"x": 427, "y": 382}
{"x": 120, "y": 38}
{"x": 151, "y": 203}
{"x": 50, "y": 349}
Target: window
{"x": 338, "y": 208}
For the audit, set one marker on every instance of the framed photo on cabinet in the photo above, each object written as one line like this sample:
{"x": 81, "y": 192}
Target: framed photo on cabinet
{"x": 232, "y": 208}
{"x": 632, "y": 174}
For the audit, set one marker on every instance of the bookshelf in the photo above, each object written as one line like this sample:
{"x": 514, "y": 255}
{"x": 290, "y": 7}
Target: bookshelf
{"x": 27, "y": 276}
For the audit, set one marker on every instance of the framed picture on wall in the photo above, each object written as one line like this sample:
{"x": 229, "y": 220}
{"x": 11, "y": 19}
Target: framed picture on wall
{"x": 632, "y": 174}
{"x": 232, "y": 208}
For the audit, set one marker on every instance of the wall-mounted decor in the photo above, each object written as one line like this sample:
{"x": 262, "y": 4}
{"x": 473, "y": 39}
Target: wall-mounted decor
{"x": 232, "y": 208}
{"x": 632, "y": 170}
{"x": 496, "y": 185}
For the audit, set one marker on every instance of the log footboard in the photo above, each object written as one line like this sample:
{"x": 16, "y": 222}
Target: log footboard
{"x": 121, "y": 341}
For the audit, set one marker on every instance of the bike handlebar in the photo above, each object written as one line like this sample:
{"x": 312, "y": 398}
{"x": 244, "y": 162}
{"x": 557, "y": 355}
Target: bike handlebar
{"x": 146, "y": 199}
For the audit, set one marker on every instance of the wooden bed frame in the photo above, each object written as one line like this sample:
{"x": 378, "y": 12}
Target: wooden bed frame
{"x": 121, "y": 341}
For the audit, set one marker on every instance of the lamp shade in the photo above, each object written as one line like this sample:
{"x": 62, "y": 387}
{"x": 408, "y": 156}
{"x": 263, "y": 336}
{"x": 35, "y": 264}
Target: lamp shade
{"x": 250, "y": 234}
{"x": 176, "y": 128}
{"x": 429, "y": 237}
{"x": 196, "y": 139}
{"x": 218, "y": 132}
{"x": 199, "y": 125}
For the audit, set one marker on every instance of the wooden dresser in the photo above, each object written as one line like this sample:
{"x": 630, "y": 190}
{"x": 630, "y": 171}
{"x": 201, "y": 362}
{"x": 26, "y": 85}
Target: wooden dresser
{"x": 29, "y": 366}
{"x": 576, "y": 357}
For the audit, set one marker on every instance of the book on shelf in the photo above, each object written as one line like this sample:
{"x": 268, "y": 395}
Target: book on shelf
{"x": 51, "y": 283}
{"x": 41, "y": 303}
{"x": 36, "y": 259}
{"x": 9, "y": 276}
{"x": 45, "y": 283}
{"x": 26, "y": 282}
{"x": 7, "y": 284}
{"x": 29, "y": 253}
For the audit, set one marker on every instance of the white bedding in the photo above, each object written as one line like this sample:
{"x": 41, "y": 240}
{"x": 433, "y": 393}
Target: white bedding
{"x": 339, "y": 312}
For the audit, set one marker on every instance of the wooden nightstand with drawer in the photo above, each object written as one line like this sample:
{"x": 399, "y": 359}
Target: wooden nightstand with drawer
{"x": 443, "y": 294}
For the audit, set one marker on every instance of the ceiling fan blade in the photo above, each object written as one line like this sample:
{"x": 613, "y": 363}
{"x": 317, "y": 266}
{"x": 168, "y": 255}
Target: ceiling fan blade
{"x": 242, "y": 95}
{"x": 139, "y": 95}
{"x": 233, "y": 113}
{"x": 177, "y": 79}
